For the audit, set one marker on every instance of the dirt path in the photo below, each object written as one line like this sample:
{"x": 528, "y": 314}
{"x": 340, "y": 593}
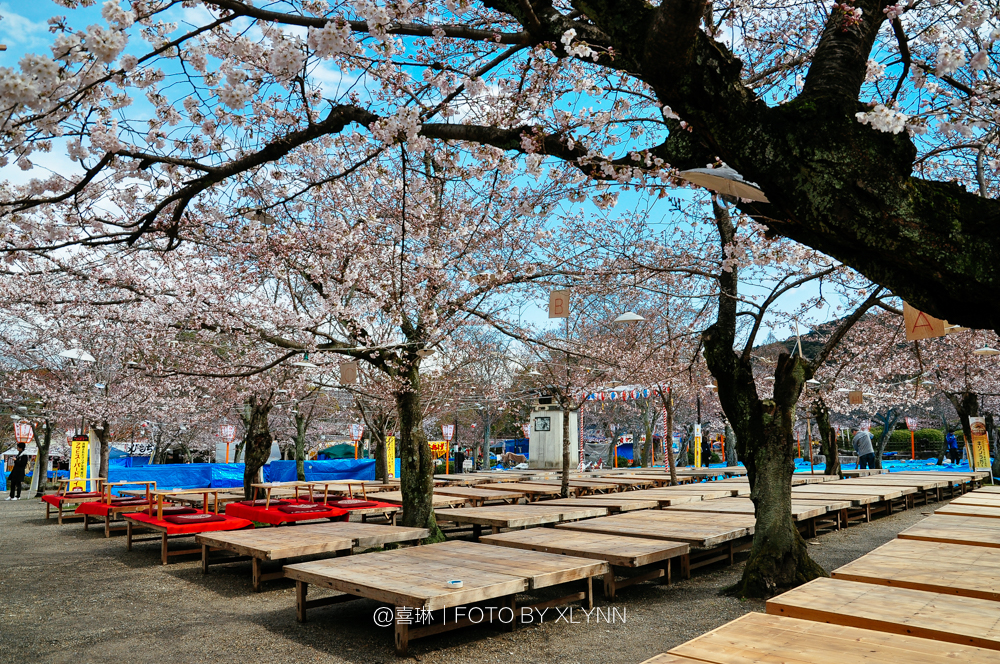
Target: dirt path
{"x": 72, "y": 596}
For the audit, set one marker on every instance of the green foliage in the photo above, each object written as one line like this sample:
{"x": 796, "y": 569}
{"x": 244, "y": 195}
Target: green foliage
{"x": 624, "y": 463}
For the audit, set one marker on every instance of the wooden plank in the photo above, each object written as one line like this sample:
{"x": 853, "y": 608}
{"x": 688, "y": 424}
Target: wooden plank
{"x": 613, "y": 549}
{"x": 308, "y": 539}
{"x": 929, "y": 615}
{"x": 800, "y": 511}
{"x": 519, "y": 516}
{"x": 952, "y": 509}
{"x": 860, "y": 484}
{"x": 879, "y": 493}
{"x": 956, "y": 569}
{"x": 613, "y": 503}
{"x": 438, "y": 500}
{"x": 756, "y": 638}
{"x": 970, "y": 530}
{"x": 920, "y": 483}
{"x": 396, "y": 578}
{"x": 533, "y": 490}
{"x": 478, "y": 493}
{"x": 539, "y": 568}
{"x": 703, "y": 535}
{"x": 857, "y": 500}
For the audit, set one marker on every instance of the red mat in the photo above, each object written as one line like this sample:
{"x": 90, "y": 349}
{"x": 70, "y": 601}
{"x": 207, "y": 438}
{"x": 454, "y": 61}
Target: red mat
{"x": 228, "y": 523}
{"x": 55, "y": 499}
{"x": 101, "y": 508}
{"x": 276, "y": 517}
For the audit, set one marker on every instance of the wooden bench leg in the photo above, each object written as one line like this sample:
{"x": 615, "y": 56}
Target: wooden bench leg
{"x": 204, "y": 559}
{"x": 686, "y": 566}
{"x": 128, "y": 536}
{"x": 60, "y": 513}
{"x": 609, "y": 584}
{"x": 402, "y": 636}
{"x": 86, "y": 522}
{"x": 301, "y": 589}
{"x": 255, "y": 565}
{"x": 107, "y": 525}
{"x": 163, "y": 550}
{"x": 477, "y": 531}
{"x": 47, "y": 507}
{"x": 588, "y": 599}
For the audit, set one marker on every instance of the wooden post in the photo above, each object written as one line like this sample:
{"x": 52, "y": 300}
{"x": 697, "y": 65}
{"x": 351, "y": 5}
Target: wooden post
{"x": 402, "y": 635}
{"x": 301, "y": 589}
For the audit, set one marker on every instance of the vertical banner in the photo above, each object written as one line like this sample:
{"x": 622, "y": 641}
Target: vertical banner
{"x": 697, "y": 445}
{"x": 390, "y": 456}
{"x": 980, "y": 444}
{"x": 79, "y": 447}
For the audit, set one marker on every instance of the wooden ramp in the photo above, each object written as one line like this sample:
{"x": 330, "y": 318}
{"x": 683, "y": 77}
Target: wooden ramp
{"x": 956, "y": 569}
{"x": 930, "y": 615}
{"x": 971, "y": 530}
{"x": 757, "y": 638}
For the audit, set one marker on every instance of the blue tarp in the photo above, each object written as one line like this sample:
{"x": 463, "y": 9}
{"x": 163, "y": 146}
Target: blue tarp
{"x": 182, "y": 475}
{"x": 333, "y": 469}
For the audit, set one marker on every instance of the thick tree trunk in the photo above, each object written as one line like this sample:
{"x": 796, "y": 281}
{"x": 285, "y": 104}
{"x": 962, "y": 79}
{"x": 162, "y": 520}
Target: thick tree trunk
{"x": 40, "y": 475}
{"x": 828, "y": 443}
{"x": 416, "y": 460}
{"x": 256, "y": 442}
{"x": 732, "y": 458}
{"x": 669, "y": 433}
{"x": 967, "y": 405}
{"x": 486, "y": 444}
{"x": 381, "y": 463}
{"x": 889, "y": 421}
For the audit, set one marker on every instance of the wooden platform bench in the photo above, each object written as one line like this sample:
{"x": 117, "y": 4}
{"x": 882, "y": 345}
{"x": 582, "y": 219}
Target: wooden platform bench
{"x": 757, "y": 637}
{"x": 261, "y": 545}
{"x": 500, "y": 517}
{"x": 930, "y": 615}
{"x": 969, "y": 530}
{"x": 168, "y": 531}
{"x": 632, "y": 558}
{"x": 415, "y": 580}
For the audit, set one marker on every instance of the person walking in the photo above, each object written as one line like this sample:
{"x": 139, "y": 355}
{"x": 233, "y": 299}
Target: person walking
{"x": 954, "y": 452}
{"x": 706, "y": 451}
{"x": 17, "y": 473}
{"x": 862, "y": 443}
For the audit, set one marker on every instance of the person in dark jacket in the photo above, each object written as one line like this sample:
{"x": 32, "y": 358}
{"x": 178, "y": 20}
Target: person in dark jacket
{"x": 954, "y": 452}
{"x": 706, "y": 451}
{"x": 17, "y": 473}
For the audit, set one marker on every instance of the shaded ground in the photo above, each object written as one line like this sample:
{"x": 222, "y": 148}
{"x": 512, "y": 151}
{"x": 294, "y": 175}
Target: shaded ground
{"x": 72, "y": 596}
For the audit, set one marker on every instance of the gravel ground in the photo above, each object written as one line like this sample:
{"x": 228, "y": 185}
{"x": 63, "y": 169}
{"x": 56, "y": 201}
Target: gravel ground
{"x": 72, "y": 596}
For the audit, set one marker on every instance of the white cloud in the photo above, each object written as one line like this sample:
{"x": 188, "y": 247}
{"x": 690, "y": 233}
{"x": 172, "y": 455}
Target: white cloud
{"x": 17, "y": 30}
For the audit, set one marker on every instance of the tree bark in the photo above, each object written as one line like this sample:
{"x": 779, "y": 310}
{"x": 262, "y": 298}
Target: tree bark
{"x": 40, "y": 476}
{"x": 669, "y": 433}
{"x": 889, "y": 421}
{"x": 416, "y": 460}
{"x": 828, "y": 443}
{"x": 257, "y": 440}
{"x": 300, "y": 446}
{"x": 966, "y": 405}
{"x": 103, "y": 436}
{"x": 732, "y": 458}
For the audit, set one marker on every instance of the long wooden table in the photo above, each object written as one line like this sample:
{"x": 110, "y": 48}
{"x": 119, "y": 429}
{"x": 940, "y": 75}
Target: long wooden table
{"x": 529, "y": 491}
{"x": 978, "y": 497}
{"x": 957, "y": 569}
{"x": 971, "y": 530}
{"x": 800, "y": 511}
{"x": 619, "y": 552}
{"x": 416, "y": 578}
{"x": 582, "y": 487}
{"x": 981, "y": 511}
{"x": 437, "y": 500}
{"x": 478, "y": 495}
{"x": 930, "y": 615}
{"x": 260, "y": 545}
{"x": 497, "y": 517}
{"x": 756, "y": 638}
{"x": 614, "y": 503}
{"x": 716, "y": 537}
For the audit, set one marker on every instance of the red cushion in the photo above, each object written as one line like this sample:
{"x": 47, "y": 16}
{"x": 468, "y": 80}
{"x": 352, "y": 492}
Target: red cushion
{"x": 352, "y": 503}
{"x": 54, "y": 499}
{"x": 177, "y": 510}
{"x": 122, "y": 502}
{"x": 303, "y": 508}
{"x": 261, "y": 503}
{"x": 205, "y": 526}
{"x": 186, "y": 519}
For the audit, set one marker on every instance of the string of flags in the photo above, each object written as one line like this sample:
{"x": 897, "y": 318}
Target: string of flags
{"x": 623, "y": 395}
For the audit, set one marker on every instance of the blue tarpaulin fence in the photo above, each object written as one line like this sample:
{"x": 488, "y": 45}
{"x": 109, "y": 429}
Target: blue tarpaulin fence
{"x": 332, "y": 469}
